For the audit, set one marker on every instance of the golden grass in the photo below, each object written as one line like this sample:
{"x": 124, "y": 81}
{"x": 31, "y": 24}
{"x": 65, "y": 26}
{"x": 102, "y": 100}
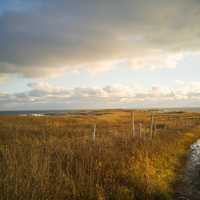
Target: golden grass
{"x": 55, "y": 158}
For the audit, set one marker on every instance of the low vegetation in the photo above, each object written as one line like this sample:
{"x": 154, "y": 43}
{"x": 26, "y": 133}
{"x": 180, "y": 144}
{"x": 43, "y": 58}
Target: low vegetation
{"x": 57, "y": 158}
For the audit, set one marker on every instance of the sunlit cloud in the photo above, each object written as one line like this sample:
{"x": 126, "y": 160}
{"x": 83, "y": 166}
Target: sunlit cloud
{"x": 41, "y": 38}
{"x": 46, "y": 95}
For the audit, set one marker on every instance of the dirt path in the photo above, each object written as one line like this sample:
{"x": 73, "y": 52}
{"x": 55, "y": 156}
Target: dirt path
{"x": 190, "y": 187}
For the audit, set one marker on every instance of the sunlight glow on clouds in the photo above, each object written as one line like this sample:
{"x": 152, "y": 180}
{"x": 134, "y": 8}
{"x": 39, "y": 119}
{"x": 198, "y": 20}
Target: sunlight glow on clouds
{"x": 71, "y": 42}
{"x": 45, "y": 95}
{"x": 41, "y": 38}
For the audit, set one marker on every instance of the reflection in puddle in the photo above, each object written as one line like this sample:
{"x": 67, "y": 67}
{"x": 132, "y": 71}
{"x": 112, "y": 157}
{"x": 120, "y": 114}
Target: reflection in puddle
{"x": 191, "y": 183}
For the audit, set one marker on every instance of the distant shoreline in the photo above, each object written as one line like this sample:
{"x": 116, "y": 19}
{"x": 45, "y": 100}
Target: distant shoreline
{"x": 74, "y": 111}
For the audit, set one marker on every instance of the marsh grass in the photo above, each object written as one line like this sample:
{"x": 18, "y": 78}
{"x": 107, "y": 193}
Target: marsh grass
{"x": 55, "y": 157}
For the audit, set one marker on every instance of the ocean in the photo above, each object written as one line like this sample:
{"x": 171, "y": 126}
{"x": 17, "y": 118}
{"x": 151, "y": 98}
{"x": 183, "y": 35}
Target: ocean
{"x": 64, "y": 112}
{"x": 37, "y": 112}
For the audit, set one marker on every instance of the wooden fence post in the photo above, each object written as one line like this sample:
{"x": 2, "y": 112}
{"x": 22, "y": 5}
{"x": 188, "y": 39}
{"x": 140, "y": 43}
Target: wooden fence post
{"x": 152, "y": 126}
{"x": 133, "y": 124}
{"x": 155, "y": 127}
{"x": 94, "y": 133}
{"x": 140, "y": 130}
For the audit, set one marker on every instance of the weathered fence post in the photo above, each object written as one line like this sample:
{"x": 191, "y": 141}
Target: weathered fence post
{"x": 155, "y": 127}
{"x": 94, "y": 133}
{"x": 152, "y": 126}
{"x": 133, "y": 124}
{"x": 140, "y": 130}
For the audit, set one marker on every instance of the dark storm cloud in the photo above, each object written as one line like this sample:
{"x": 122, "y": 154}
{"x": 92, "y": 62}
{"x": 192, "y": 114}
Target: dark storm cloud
{"x": 44, "y": 37}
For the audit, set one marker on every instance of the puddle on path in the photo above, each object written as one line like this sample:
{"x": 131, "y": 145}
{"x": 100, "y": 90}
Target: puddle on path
{"x": 190, "y": 188}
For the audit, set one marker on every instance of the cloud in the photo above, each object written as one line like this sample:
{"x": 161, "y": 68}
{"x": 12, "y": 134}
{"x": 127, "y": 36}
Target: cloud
{"x": 45, "y": 96}
{"x": 3, "y": 77}
{"x": 40, "y": 38}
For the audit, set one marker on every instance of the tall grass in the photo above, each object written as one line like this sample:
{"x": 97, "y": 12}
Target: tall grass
{"x": 56, "y": 158}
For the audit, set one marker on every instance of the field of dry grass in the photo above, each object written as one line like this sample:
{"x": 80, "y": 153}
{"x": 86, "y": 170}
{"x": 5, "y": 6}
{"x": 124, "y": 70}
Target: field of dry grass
{"x": 56, "y": 157}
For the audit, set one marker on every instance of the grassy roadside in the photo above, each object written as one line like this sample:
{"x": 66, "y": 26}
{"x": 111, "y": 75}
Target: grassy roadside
{"x": 158, "y": 168}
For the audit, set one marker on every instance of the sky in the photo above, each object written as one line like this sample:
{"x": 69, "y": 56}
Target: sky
{"x": 90, "y": 54}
